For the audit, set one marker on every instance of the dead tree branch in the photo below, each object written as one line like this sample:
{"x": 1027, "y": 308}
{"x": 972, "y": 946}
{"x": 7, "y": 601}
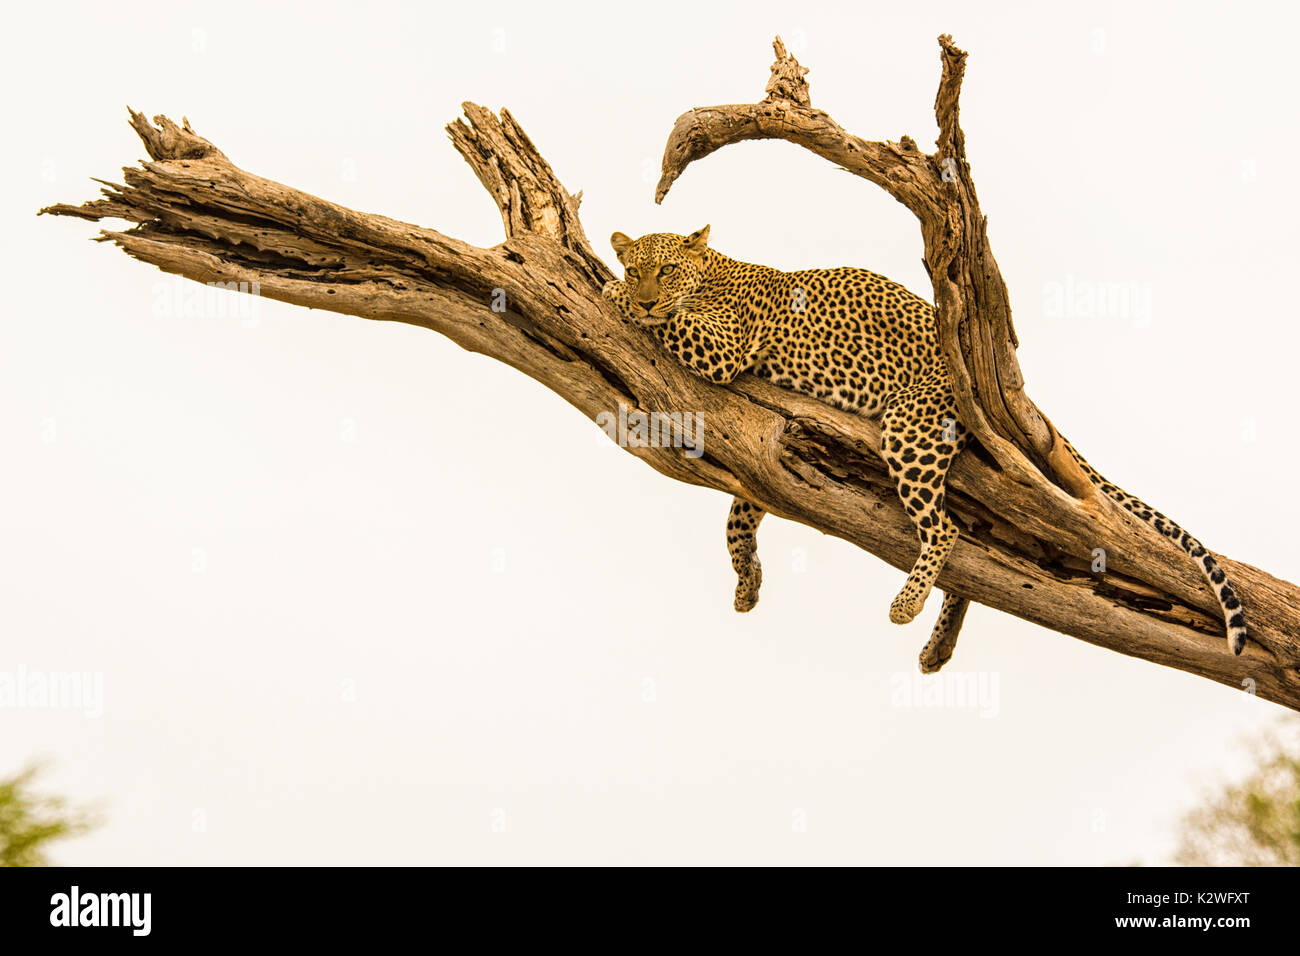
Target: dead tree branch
{"x": 1026, "y": 543}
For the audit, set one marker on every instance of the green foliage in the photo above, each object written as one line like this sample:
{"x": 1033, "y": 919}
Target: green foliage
{"x": 1255, "y": 822}
{"x": 29, "y": 821}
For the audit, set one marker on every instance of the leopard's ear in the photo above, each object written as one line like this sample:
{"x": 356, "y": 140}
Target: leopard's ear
{"x": 697, "y": 241}
{"x": 621, "y": 244}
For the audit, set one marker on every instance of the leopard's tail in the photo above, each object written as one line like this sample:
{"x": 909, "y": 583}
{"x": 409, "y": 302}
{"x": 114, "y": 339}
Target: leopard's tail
{"x": 1233, "y": 613}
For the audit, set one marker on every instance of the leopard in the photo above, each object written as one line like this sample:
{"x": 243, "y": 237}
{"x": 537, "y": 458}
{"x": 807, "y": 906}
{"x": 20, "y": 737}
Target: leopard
{"x": 859, "y": 342}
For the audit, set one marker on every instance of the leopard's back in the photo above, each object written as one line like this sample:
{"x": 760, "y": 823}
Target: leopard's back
{"x": 847, "y": 336}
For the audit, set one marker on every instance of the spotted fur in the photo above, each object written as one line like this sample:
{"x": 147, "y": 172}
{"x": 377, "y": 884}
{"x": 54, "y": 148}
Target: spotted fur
{"x": 858, "y": 341}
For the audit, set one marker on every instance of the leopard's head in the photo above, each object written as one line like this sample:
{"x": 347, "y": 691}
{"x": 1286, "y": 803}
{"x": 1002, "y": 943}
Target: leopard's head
{"x": 663, "y": 271}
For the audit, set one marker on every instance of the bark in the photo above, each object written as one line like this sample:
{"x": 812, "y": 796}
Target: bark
{"x": 1030, "y": 522}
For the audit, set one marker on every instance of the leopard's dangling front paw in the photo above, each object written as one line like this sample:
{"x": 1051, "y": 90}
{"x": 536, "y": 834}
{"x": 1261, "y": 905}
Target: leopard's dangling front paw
{"x": 906, "y": 606}
{"x": 742, "y": 545}
{"x": 748, "y": 584}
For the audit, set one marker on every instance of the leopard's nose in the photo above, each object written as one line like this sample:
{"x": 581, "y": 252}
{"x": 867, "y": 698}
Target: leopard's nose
{"x": 646, "y": 305}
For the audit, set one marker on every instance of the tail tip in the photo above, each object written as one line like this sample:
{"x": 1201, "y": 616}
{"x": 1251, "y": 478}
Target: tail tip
{"x": 1237, "y": 639}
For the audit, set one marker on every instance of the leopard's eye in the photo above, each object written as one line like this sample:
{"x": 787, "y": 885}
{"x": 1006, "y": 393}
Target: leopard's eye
{"x": 667, "y": 270}
{"x": 632, "y": 273}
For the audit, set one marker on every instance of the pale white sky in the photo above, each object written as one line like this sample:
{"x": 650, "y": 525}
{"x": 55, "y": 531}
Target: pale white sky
{"x": 357, "y": 596}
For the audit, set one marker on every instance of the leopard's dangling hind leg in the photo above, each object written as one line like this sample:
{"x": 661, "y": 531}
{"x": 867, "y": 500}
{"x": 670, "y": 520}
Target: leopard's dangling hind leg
{"x": 943, "y": 639}
{"x": 742, "y": 545}
{"x": 920, "y": 437}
